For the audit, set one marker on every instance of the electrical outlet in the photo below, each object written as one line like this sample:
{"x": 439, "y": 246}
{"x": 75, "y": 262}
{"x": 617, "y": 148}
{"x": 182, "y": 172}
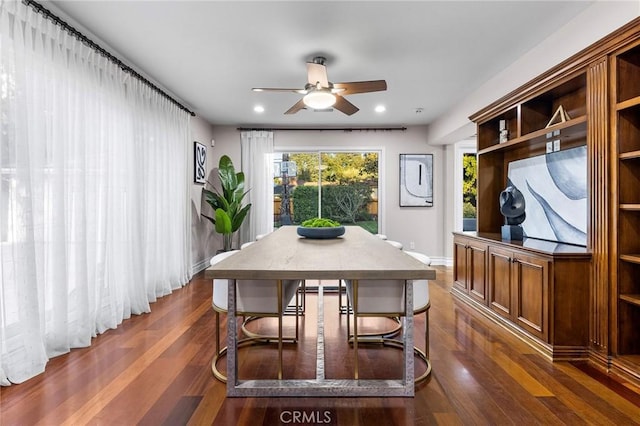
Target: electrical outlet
{"x": 412, "y": 245}
{"x": 556, "y": 145}
{"x": 549, "y": 147}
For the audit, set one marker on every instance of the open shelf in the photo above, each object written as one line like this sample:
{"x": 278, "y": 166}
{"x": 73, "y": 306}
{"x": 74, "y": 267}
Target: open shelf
{"x": 628, "y": 69}
{"x": 632, "y": 258}
{"x": 527, "y": 121}
{"x": 629, "y": 129}
{"x": 630, "y": 207}
{"x": 629, "y": 103}
{"x": 570, "y": 95}
{"x": 489, "y": 132}
{"x": 570, "y": 131}
{"x": 632, "y": 155}
{"x": 634, "y": 299}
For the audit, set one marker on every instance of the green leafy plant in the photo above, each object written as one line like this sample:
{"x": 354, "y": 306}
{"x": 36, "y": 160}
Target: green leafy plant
{"x": 318, "y": 222}
{"x": 228, "y": 208}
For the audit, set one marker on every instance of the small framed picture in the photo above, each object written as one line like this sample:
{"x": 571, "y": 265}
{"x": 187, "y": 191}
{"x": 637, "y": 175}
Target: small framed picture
{"x": 199, "y": 163}
{"x": 416, "y": 180}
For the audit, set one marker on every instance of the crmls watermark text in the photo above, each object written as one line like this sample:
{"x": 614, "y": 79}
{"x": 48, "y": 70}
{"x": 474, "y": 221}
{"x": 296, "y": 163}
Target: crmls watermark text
{"x": 305, "y": 417}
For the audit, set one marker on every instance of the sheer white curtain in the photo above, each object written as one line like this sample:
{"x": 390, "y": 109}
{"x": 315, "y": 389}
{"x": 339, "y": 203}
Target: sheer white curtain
{"x": 257, "y": 165}
{"x": 94, "y": 197}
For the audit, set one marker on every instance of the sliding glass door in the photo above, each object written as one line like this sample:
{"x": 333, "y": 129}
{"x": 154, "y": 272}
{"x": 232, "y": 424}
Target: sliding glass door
{"x": 342, "y": 186}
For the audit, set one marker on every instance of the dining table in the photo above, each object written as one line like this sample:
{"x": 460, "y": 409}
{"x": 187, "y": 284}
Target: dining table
{"x": 355, "y": 255}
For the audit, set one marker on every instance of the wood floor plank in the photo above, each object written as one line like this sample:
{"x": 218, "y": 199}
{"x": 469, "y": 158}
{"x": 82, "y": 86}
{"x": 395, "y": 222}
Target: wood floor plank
{"x": 155, "y": 369}
{"x": 92, "y": 407}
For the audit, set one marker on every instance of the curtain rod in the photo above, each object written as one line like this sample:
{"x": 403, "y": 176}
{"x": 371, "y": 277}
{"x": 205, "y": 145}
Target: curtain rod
{"x": 49, "y": 15}
{"x": 321, "y": 129}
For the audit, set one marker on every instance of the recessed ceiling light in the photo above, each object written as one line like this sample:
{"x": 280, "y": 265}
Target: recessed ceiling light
{"x": 258, "y": 108}
{"x": 381, "y": 108}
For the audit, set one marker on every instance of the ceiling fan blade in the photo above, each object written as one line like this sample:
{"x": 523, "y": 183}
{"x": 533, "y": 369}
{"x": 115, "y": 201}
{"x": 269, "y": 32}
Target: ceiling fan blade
{"x": 360, "y": 87}
{"x": 345, "y": 106}
{"x": 295, "y": 108}
{"x": 317, "y": 73}
{"x": 276, "y": 89}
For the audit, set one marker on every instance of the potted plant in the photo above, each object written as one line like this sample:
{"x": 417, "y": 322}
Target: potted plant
{"x": 228, "y": 208}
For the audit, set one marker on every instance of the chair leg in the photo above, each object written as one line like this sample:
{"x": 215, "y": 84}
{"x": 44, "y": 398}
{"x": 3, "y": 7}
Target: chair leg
{"x": 426, "y": 333}
{"x": 348, "y": 319}
{"x": 217, "y": 332}
{"x": 340, "y": 297}
{"x": 297, "y": 313}
{"x": 355, "y": 326}
{"x": 280, "y": 313}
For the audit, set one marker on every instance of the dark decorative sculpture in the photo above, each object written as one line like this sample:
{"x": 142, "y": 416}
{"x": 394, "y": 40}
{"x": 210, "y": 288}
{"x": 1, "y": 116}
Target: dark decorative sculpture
{"x": 512, "y": 208}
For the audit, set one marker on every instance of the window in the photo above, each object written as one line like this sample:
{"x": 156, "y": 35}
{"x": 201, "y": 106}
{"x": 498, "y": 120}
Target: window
{"x": 342, "y": 186}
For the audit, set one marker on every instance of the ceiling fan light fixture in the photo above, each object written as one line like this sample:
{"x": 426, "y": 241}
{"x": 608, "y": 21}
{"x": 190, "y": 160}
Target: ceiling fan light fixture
{"x": 319, "y": 99}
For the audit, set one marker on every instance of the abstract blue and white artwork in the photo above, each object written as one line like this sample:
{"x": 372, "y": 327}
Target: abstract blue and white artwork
{"x": 555, "y": 190}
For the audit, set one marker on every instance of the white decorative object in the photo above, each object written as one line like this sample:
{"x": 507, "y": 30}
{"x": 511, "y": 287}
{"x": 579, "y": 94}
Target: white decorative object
{"x": 504, "y": 131}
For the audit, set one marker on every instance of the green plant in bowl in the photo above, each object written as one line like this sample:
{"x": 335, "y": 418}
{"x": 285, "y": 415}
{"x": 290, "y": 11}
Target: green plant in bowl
{"x": 320, "y": 229}
{"x": 319, "y": 222}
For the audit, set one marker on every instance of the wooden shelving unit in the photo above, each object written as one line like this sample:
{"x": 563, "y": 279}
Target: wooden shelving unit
{"x": 570, "y": 131}
{"x": 626, "y": 121}
{"x": 528, "y": 136}
{"x": 599, "y": 88}
{"x": 517, "y": 285}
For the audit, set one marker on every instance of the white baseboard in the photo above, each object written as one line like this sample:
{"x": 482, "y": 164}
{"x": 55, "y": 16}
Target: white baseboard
{"x": 200, "y": 266}
{"x": 441, "y": 261}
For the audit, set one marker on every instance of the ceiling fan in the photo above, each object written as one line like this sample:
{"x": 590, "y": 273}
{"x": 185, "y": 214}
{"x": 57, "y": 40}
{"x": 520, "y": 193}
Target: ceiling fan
{"x": 320, "y": 94}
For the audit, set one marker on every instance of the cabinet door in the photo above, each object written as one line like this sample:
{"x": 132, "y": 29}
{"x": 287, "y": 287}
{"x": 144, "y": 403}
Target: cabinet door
{"x": 500, "y": 296}
{"x": 531, "y": 293}
{"x": 477, "y": 281}
{"x": 460, "y": 264}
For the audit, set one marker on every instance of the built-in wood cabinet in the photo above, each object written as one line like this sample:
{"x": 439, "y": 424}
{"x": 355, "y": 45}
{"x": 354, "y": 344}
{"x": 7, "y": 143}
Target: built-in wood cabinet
{"x": 536, "y": 288}
{"x": 470, "y": 272}
{"x": 566, "y": 300}
{"x": 519, "y": 289}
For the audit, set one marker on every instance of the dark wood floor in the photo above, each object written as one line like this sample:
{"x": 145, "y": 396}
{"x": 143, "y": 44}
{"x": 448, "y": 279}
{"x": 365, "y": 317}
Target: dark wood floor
{"x": 155, "y": 369}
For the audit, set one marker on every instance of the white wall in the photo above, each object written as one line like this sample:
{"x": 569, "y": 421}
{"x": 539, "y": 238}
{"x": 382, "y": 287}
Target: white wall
{"x": 203, "y": 238}
{"x": 420, "y": 225}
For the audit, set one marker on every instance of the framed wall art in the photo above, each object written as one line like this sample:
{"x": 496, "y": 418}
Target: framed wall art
{"x": 199, "y": 163}
{"x": 555, "y": 189}
{"x": 416, "y": 180}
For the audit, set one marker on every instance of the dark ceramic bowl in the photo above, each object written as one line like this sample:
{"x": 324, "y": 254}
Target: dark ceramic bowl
{"x": 320, "y": 233}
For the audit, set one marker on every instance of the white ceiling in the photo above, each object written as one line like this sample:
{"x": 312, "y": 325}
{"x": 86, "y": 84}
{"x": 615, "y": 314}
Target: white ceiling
{"x": 209, "y": 54}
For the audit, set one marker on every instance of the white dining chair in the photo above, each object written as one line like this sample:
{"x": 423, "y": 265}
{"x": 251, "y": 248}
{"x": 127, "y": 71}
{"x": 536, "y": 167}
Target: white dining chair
{"x": 386, "y": 298}
{"x": 247, "y": 244}
{"x": 395, "y": 244}
{"x": 344, "y": 308}
{"x": 254, "y": 299}
{"x": 300, "y": 300}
